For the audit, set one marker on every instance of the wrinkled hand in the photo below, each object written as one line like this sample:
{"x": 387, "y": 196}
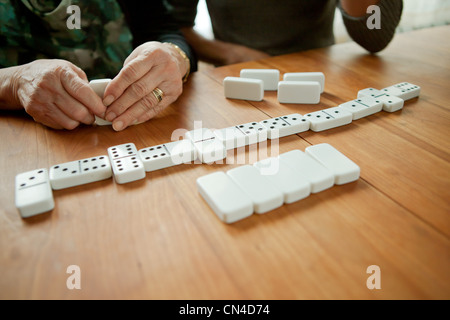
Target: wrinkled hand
{"x": 56, "y": 93}
{"x": 129, "y": 96}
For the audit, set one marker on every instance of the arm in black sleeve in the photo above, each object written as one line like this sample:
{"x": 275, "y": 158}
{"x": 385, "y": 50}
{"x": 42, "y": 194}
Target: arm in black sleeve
{"x": 375, "y": 40}
{"x": 184, "y": 12}
{"x": 153, "y": 21}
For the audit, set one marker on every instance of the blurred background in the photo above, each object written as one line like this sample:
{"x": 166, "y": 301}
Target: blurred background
{"x": 417, "y": 14}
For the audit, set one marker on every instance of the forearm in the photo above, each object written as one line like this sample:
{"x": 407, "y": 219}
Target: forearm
{"x": 373, "y": 39}
{"x": 8, "y": 88}
{"x": 219, "y": 52}
{"x": 357, "y": 8}
{"x": 211, "y": 51}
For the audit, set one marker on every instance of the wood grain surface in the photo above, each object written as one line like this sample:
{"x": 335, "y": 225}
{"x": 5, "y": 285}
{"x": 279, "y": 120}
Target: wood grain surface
{"x": 158, "y": 239}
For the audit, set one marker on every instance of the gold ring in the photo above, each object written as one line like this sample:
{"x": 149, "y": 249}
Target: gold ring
{"x": 158, "y": 93}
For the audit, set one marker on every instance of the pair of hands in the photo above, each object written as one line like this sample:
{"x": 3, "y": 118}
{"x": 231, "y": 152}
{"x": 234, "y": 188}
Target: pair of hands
{"x": 57, "y": 94}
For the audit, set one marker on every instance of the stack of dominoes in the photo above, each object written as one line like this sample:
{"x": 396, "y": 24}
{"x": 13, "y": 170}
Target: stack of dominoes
{"x": 34, "y": 189}
{"x": 269, "y": 183}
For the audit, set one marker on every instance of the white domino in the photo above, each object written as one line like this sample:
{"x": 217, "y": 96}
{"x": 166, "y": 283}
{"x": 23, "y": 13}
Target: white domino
{"x": 329, "y": 118}
{"x": 301, "y": 92}
{"x": 344, "y": 169}
{"x": 33, "y": 193}
{"x": 226, "y": 199}
{"x": 270, "y": 77}
{"x": 369, "y": 92}
{"x": 288, "y": 180}
{"x": 168, "y": 155}
{"x": 306, "y": 76}
{"x": 310, "y": 169}
{"x": 285, "y": 125}
{"x": 403, "y": 90}
{"x": 363, "y": 107}
{"x": 99, "y": 86}
{"x": 242, "y": 135}
{"x": 264, "y": 195}
{"x": 231, "y": 137}
{"x": 390, "y": 103}
{"x": 209, "y": 148}
{"x": 126, "y": 163}
{"x": 244, "y": 89}
{"x": 80, "y": 172}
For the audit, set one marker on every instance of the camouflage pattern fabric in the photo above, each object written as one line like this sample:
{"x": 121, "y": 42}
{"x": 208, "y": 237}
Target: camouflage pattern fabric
{"x": 37, "y": 29}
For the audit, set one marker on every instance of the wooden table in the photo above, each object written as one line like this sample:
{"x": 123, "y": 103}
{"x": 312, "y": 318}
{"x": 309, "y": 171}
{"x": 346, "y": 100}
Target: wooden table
{"x": 158, "y": 239}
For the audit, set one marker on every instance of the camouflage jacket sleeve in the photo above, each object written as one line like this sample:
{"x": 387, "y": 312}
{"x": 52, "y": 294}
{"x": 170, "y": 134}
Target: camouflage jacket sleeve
{"x": 36, "y": 29}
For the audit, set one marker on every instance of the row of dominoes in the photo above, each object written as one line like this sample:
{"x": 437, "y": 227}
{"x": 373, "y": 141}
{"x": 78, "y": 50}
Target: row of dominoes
{"x": 34, "y": 188}
{"x": 296, "y": 87}
{"x": 290, "y": 177}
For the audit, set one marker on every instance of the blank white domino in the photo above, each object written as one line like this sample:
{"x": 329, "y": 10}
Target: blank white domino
{"x": 301, "y": 92}
{"x": 285, "y": 125}
{"x": 270, "y": 77}
{"x": 344, "y": 169}
{"x": 403, "y": 90}
{"x": 229, "y": 202}
{"x": 363, "y": 107}
{"x": 390, "y": 103}
{"x": 209, "y": 148}
{"x": 310, "y": 169}
{"x": 168, "y": 155}
{"x": 126, "y": 163}
{"x": 288, "y": 180}
{"x": 306, "y": 76}
{"x": 244, "y": 89}
{"x": 33, "y": 193}
{"x": 80, "y": 172}
{"x": 329, "y": 118}
{"x": 99, "y": 86}
{"x": 264, "y": 195}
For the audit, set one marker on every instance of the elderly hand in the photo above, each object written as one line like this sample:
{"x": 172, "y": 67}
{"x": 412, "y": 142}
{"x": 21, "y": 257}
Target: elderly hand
{"x": 56, "y": 93}
{"x": 129, "y": 96}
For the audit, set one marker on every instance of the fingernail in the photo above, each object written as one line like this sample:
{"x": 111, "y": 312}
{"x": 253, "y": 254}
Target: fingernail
{"x": 117, "y": 126}
{"x": 110, "y": 116}
{"x": 108, "y": 100}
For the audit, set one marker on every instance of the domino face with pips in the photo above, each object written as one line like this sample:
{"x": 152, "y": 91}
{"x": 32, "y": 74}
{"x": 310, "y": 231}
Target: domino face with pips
{"x": 209, "y": 148}
{"x": 168, "y": 155}
{"x": 344, "y": 169}
{"x": 33, "y": 193}
{"x": 363, "y": 107}
{"x": 126, "y": 163}
{"x": 286, "y": 125}
{"x": 242, "y": 135}
{"x": 403, "y": 90}
{"x": 390, "y": 103}
{"x": 80, "y": 172}
{"x": 225, "y": 197}
{"x": 329, "y": 118}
